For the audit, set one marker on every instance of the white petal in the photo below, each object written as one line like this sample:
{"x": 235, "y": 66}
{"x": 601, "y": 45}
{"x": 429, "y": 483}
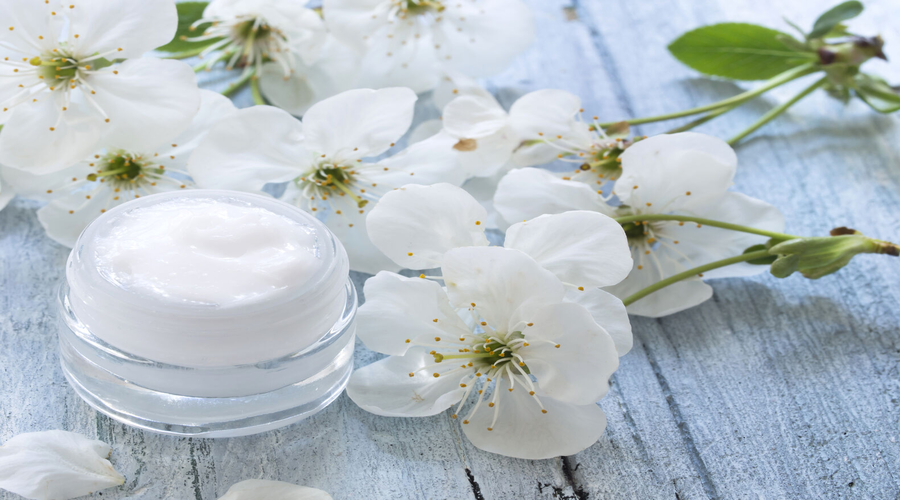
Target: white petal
{"x": 350, "y": 228}
{"x": 250, "y": 148}
{"x": 28, "y": 143}
{"x": 398, "y": 308}
{"x": 359, "y": 123}
{"x": 260, "y": 489}
{"x": 148, "y": 102}
{"x": 336, "y": 71}
{"x": 527, "y": 193}
{"x": 23, "y": 21}
{"x": 385, "y": 387}
{"x": 425, "y": 130}
{"x": 486, "y": 156}
{"x": 708, "y": 244}
{"x": 663, "y": 169}
{"x": 304, "y": 28}
{"x": 7, "y": 193}
{"x": 416, "y": 225}
{"x": 351, "y": 20}
{"x": 395, "y": 57}
{"x": 44, "y": 187}
{"x": 608, "y": 312}
{"x": 669, "y": 300}
{"x": 214, "y": 107}
{"x": 549, "y": 112}
{"x": 498, "y": 281}
{"x": 472, "y": 117}
{"x": 64, "y": 219}
{"x": 428, "y": 162}
{"x": 106, "y": 26}
{"x": 577, "y": 371}
{"x": 481, "y": 39}
{"x": 582, "y": 248}
{"x": 523, "y": 431}
{"x": 455, "y": 84}
{"x": 56, "y": 465}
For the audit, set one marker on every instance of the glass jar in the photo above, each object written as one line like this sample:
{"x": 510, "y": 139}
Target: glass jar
{"x": 195, "y": 369}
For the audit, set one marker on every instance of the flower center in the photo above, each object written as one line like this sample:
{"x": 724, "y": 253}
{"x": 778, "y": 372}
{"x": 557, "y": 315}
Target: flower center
{"x": 243, "y": 41}
{"x": 329, "y": 179}
{"x": 487, "y": 361}
{"x": 418, "y": 7}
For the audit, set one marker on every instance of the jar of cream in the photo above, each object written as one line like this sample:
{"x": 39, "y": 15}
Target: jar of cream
{"x": 207, "y": 313}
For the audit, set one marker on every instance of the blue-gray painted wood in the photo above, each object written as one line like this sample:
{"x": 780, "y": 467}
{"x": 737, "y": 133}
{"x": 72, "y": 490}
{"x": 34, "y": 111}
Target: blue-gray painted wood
{"x": 773, "y": 389}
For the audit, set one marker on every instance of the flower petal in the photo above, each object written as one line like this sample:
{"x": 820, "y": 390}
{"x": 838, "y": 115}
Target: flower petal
{"x": 580, "y": 247}
{"x": 260, "y": 489}
{"x": 28, "y": 143}
{"x": 527, "y": 193}
{"x": 56, "y": 465}
{"x": 122, "y": 29}
{"x": 359, "y": 123}
{"x": 549, "y": 112}
{"x": 425, "y": 130}
{"x": 7, "y": 193}
{"x": 608, "y": 312}
{"x": 214, "y": 107}
{"x": 24, "y": 22}
{"x": 578, "y": 370}
{"x": 481, "y": 39}
{"x": 669, "y": 300}
{"x": 385, "y": 387}
{"x": 708, "y": 244}
{"x": 416, "y": 225}
{"x": 43, "y": 187}
{"x": 398, "y": 308}
{"x": 148, "y": 102}
{"x": 668, "y": 173}
{"x": 455, "y": 84}
{"x": 498, "y": 281}
{"x": 350, "y": 229}
{"x": 473, "y": 117}
{"x": 523, "y": 431}
{"x": 250, "y": 148}
{"x": 427, "y": 162}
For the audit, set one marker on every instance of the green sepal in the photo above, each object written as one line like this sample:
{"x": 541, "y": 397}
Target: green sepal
{"x": 762, "y": 261}
{"x": 816, "y": 257}
{"x": 739, "y": 51}
{"x": 188, "y": 14}
{"x": 834, "y": 17}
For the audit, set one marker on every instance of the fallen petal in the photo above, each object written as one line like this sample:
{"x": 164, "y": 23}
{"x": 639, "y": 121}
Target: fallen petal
{"x": 261, "y": 489}
{"x": 56, "y": 465}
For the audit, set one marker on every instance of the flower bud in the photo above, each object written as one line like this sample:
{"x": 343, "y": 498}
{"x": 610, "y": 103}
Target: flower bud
{"x": 821, "y": 256}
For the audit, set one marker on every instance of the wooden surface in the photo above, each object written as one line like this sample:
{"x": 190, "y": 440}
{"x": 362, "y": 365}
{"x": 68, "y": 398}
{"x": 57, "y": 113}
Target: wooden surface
{"x": 773, "y": 389}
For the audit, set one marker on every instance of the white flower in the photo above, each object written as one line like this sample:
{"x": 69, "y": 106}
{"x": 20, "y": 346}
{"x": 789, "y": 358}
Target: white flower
{"x": 415, "y": 226}
{"x": 248, "y": 33}
{"x": 7, "y": 192}
{"x": 65, "y": 91}
{"x": 112, "y": 176}
{"x": 684, "y": 174}
{"x": 501, "y": 333}
{"x": 260, "y": 489}
{"x": 412, "y": 42}
{"x": 321, "y": 159}
{"x": 56, "y": 465}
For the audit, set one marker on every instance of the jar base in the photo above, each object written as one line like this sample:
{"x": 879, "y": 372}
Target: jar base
{"x": 200, "y": 417}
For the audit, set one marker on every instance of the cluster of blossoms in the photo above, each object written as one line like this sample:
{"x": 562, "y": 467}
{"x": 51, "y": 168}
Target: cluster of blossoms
{"x": 301, "y": 56}
{"x": 521, "y": 334}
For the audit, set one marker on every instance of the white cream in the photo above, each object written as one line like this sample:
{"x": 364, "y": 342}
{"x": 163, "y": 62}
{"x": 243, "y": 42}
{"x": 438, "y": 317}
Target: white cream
{"x": 207, "y": 251}
{"x": 207, "y": 279}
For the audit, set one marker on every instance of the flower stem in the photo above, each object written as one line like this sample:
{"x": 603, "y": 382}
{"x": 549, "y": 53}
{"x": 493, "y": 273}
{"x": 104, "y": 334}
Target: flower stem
{"x": 187, "y": 53}
{"x": 703, "y": 119}
{"x": 706, "y": 222}
{"x": 766, "y": 118}
{"x": 778, "y": 80}
{"x": 240, "y": 82}
{"x": 255, "y": 93}
{"x": 690, "y": 273}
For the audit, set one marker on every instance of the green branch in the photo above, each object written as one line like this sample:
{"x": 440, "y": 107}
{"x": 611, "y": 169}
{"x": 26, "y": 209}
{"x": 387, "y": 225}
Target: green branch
{"x": 774, "y": 112}
{"x": 705, "y": 222}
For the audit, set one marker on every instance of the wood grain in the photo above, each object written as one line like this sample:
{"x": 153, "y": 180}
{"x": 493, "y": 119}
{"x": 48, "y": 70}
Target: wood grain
{"x": 773, "y": 389}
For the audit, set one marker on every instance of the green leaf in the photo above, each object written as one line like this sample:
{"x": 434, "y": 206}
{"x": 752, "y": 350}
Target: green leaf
{"x": 877, "y": 93}
{"x": 738, "y": 51}
{"x": 188, "y": 14}
{"x": 835, "y": 16}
